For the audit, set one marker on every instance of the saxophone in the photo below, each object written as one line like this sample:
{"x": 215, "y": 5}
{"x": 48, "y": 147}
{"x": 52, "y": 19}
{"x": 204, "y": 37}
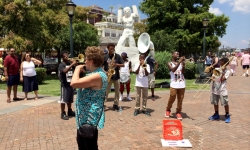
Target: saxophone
{"x": 111, "y": 70}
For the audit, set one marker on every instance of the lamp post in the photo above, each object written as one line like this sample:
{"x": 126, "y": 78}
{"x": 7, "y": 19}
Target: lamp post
{"x": 71, "y": 11}
{"x": 205, "y": 24}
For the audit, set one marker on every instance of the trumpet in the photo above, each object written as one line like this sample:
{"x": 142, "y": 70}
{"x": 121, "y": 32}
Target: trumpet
{"x": 216, "y": 72}
{"x": 79, "y": 59}
{"x": 144, "y": 65}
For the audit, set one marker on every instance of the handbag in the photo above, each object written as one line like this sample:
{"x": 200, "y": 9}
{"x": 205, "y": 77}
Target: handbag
{"x": 88, "y": 130}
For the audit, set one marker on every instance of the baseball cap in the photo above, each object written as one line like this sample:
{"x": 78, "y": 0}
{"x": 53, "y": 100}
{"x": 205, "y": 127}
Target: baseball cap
{"x": 125, "y": 54}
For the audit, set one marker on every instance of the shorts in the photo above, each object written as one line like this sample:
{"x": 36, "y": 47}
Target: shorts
{"x": 215, "y": 99}
{"x": 13, "y": 80}
{"x": 151, "y": 81}
{"x": 67, "y": 94}
{"x": 245, "y": 66}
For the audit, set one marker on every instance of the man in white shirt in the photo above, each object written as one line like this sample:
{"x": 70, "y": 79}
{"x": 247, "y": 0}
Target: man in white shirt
{"x": 177, "y": 84}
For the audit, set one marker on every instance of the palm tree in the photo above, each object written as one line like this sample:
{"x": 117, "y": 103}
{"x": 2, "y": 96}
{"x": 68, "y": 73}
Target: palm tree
{"x": 111, "y": 8}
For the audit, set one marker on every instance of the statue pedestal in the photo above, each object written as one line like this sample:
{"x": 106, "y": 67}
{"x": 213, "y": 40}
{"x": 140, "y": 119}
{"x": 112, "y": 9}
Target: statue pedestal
{"x": 132, "y": 52}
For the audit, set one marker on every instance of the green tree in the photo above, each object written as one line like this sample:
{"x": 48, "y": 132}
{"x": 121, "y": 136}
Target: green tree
{"x": 111, "y": 9}
{"x": 82, "y": 31}
{"x": 183, "y": 20}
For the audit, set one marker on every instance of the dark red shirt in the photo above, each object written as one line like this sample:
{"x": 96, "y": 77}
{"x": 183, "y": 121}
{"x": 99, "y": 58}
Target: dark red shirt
{"x": 12, "y": 64}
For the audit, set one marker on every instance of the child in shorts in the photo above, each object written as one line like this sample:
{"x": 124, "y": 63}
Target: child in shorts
{"x": 219, "y": 91}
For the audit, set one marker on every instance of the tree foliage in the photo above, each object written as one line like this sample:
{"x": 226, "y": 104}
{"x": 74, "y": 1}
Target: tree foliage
{"x": 36, "y": 25}
{"x": 183, "y": 20}
{"x": 82, "y": 31}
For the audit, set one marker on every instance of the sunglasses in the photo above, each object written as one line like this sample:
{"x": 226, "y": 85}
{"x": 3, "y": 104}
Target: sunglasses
{"x": 12, "y": 51}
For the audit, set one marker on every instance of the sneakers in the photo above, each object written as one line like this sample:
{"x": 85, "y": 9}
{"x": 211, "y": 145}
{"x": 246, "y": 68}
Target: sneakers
{"x": 227, "y": 118}
{"x": 178, "y": 116}
{"x": 167, "y": 114}
{"x": 129, "y": 98}
{"x": 121, "y": 98}
{"x": 214, "y": 117}
{"x": 136, "y": 112}
{"x": 64, "y": 116}
{"x": 71, "y": 113}
{"x": 146, "y": 112}
{"x": 115, "y": 107}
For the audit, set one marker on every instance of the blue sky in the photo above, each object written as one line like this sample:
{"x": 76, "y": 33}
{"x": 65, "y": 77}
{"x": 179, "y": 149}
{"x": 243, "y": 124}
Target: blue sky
{"x": 238, "y": 29}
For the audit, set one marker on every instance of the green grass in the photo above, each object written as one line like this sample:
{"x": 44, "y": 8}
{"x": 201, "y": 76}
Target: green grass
{"x": 51, "y": 85}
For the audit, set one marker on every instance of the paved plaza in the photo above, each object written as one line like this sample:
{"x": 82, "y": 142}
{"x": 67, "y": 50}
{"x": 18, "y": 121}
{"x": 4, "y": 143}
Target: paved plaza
{"x": 36, "y": 125}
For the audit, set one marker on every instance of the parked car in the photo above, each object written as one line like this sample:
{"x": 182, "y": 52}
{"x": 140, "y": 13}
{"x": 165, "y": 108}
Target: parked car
{"x": 51, "y": 65}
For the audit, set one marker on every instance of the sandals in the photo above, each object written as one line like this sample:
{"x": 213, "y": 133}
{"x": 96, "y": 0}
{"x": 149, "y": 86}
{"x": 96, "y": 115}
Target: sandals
{"x": 16, "y": 99}
{"x": 36, "y": 98}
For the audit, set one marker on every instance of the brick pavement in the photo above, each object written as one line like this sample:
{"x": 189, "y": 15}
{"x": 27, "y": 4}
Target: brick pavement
{"x": 40, "y": 127}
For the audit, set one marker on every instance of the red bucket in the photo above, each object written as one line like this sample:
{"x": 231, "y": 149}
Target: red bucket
{"x": 172, "y": 130}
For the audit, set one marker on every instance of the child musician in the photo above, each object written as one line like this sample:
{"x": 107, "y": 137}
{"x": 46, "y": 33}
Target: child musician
{"x": 141, "y": 84}
{"x": 219, "y": 91}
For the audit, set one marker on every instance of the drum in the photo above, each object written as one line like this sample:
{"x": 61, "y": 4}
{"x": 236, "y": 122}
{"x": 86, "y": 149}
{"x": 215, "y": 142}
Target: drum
{"x": 124, "y": 78}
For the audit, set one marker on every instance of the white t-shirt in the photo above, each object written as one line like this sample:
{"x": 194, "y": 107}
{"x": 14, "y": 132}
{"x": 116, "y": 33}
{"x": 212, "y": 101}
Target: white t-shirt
{"x": 141, "y": 78}
{"x": 218, "y": 87}
{"x": 177, "y": 78}
{"x": 29, "y": 69}
{"x": 69, "y": 74}
{"x": 125, "y": 69}
{"x": 234, "y": 60}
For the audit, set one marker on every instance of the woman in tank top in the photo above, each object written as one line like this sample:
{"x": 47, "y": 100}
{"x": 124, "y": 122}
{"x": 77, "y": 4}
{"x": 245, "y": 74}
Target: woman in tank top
{"x": 233, "y": 64}
{"x": 28, "y": 75}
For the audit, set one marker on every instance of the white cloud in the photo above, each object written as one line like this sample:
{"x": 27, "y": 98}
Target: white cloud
{"x": 215, "y": 11}
{"x": 238, "y": 5}
{"x": 223, "y": 1}
{"x": 241, "y": 6}
{"x": 244, "y": 42}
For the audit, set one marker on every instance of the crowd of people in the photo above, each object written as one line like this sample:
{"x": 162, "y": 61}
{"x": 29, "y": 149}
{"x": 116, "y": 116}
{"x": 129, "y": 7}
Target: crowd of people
{"x": 93, "y": 88}
{"x": 18, "y": 69}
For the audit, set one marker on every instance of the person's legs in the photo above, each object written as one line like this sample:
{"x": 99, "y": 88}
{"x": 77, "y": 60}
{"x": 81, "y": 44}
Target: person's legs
{"x": 108, "y": 89}
{"x": 8, "y": 93}
{"x": 171, "y": 100}
{"x": 244, "y": 70}
{"x": 36, "y": 93}
{"x": 180, "y": 97}
{"x": 128, "y": 90}
{"x": 16, "y": 79}
{"x": 138, "y": 102}
{"x": 121, "y": 90}
{"x": 26, "y": 95}
{"x": 153, "y": 93}
{"x": 87, "y": 143}
{"x": 172, "y": 97}
{"x": 144, "y": 101}
{"x": 15, "y": 91}
{"x": 214, "y": 100}
{"x": 117, "y": 93}
{"x": 151, "y": 85}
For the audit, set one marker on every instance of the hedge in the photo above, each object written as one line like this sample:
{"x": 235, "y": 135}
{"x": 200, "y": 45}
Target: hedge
{"x": 163, "y": 72}
{"x": 41, "y": 74}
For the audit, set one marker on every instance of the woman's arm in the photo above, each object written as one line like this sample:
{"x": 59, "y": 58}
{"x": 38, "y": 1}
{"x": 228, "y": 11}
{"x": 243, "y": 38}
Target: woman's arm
{"x": 93, "y": 81}
{"x": 21, "y": 72}
{"x": 36, "y": 61}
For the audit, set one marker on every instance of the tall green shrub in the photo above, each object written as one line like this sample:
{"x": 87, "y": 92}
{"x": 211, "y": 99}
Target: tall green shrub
{"x": 163, "y": 58}
{"x": 40, "y": 74}
{"x": 190, "y": 70}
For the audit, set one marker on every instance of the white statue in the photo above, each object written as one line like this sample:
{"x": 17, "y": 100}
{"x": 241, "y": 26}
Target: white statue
{"x": 128, "y": 21}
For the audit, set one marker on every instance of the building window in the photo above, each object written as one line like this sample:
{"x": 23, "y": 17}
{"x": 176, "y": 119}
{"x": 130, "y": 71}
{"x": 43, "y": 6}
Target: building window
{"x": 107, "y": 34}
{"x": 113, "y": 35}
